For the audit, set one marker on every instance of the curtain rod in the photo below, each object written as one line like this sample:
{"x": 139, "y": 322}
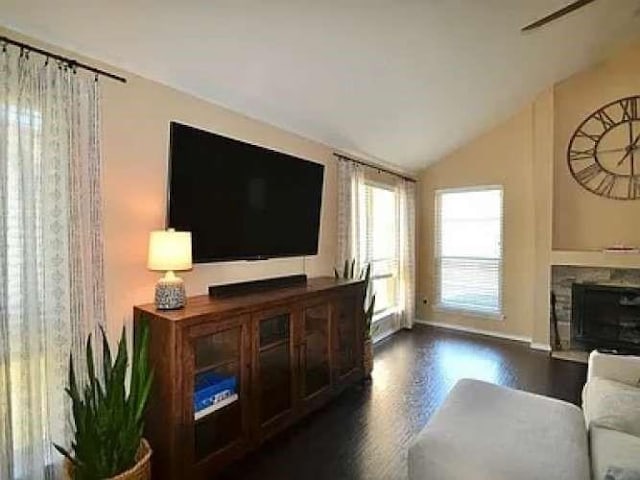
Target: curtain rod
{"x": 375, "y": 167}
{"x": 70, "y": 61}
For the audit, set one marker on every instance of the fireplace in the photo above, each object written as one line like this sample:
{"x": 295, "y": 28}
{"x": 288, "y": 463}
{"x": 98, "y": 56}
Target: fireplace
{"x": 605, "y": 316}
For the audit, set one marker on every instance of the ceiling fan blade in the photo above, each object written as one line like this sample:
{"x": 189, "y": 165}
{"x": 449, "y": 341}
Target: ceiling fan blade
{"x": 557, "y": 14}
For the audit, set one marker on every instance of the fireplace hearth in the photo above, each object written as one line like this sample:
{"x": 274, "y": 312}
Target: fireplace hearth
{"x": 605, "y": 316}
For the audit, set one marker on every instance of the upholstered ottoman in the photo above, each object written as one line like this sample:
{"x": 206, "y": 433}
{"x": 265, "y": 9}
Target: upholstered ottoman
{"x": 487, "y": 432}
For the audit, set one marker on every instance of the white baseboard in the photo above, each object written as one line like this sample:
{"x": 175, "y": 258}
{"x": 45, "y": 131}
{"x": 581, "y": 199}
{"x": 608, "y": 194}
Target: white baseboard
{"x": 479, "y": 331}
{"x": 541, "y": 346}
{"x": 388, "y": 320}
{"x": 384, "y": 334}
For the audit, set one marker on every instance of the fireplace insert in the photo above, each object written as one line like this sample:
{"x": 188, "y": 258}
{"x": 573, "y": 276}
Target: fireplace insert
{"x": 605, "y": 316}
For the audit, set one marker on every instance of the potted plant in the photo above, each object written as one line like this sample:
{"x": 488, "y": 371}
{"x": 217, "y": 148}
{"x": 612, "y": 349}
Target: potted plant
{"x": 109, "y": 417}
{"x": 349, "y": 272}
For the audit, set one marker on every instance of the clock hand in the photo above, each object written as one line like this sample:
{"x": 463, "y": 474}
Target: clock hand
{"x": 614, "y": 150}
{"x": 630, "y": 149}
{"x": 624, "y": 156}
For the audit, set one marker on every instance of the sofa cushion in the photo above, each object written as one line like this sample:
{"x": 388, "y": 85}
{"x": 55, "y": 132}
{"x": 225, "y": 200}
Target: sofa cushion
{"x": 614, "y": 453}
{"x": 612, "y": 405}
{"x": 615, "y": 473}
{"x": 621, "y": 368}
{"x": 487, "y": 432}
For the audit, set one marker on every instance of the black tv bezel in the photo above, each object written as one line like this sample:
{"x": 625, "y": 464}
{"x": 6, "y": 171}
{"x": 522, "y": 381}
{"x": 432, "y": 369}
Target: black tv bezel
{"x": 247, "y": 258}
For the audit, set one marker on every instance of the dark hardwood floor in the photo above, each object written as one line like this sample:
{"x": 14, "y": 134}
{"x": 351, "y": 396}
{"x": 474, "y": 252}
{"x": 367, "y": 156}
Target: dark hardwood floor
{"x": 364, "y": 434}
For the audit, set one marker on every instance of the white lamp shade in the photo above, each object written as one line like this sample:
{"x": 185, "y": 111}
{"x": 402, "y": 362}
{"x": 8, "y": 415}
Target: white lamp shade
{"x": 169, "y": 250}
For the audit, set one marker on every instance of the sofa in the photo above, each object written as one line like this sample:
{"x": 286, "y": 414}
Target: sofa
{"x": 489, "y": 432}
{"x": 611, "y": 405}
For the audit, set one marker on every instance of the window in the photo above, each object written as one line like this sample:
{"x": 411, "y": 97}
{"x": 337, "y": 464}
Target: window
{"x": 378, "y": 242}
{"x": 468, "y": 250}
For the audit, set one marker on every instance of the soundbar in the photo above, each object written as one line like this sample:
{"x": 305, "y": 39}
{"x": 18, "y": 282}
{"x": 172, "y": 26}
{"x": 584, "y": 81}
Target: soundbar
{"x": 255, "y": 286}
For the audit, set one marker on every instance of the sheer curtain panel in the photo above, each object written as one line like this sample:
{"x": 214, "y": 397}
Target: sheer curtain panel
{"x": 406, "y": 235}
{"x": 51, "y": 273}
{"x": 350, "y": 193}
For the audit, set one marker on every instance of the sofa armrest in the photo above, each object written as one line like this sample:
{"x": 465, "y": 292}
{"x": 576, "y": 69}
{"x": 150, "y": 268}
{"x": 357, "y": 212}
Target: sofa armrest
{"x": 621, "y": 368}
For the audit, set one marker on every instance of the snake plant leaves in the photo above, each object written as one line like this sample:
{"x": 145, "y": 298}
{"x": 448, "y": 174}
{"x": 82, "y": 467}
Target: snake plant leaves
{"x": 365, "y": 274}
{"x": 109, "y": 422}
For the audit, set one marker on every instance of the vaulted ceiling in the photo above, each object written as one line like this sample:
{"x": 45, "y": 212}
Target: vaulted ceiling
{"x": 400, "y": 81}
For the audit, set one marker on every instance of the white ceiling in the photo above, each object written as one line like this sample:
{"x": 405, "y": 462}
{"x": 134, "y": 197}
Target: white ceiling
{"x": 400, "y": 81}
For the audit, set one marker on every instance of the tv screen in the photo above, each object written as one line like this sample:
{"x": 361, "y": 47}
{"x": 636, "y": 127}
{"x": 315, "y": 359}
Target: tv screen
{"x": 241, "y": 201}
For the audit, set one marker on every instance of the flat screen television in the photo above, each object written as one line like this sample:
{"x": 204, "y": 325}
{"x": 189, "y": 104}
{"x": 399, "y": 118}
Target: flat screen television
{"x": 241, "y": 201}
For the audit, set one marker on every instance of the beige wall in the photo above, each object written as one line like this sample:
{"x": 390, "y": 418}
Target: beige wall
{"x": 542, "y": 178}
{"x": 581, "y": 219}
{"x": 501, "y": 157}
{"x": 135, "y": 136}
{"x": 545, "y": 208}
{"x": 135, "y": 129}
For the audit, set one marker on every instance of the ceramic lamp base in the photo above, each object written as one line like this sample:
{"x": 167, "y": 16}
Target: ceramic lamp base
{"x": 170, "y": 294}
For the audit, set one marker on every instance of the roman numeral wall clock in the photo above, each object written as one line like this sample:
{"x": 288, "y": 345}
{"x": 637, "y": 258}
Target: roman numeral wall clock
{"x": 604, "y": 151}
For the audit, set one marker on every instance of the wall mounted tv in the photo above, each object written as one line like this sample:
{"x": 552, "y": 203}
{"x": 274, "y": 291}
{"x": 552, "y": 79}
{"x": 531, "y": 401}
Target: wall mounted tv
{"x": 241, "y": 201}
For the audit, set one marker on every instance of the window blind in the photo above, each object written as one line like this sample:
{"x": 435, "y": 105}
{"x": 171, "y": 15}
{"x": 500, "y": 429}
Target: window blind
{"x": 468, "y": 250}
{"x": 379, "y": 242}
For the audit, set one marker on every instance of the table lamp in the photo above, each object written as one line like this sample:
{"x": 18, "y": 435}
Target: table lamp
{"x": 169, "y": 251}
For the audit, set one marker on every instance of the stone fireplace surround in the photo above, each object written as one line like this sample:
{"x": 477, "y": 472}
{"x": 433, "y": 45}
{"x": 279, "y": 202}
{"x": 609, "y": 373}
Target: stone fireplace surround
{"x": 563, "y": 277}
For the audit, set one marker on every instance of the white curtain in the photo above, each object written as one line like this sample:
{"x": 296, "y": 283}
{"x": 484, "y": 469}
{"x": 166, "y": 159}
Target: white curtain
{"x": 352, "y": 238}
{"x": 406, "y": 236}
{"x": 350, "y": 188}
{"x": 51, "y": 273}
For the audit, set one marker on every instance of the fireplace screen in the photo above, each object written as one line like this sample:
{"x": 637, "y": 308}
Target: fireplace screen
{"x": 605, "y": 316}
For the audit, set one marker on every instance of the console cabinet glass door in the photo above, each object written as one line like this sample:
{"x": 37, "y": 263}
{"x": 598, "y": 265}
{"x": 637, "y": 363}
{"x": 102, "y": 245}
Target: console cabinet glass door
{"x": 273, "y": 369}
{"x": 219, "y": 403}
{"x": 315, "y": 369}
{"x": 346, "y": 344}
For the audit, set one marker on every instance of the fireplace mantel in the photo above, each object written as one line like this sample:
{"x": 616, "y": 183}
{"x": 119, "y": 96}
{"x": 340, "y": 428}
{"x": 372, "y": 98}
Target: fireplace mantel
{"x": 595, "y": 258}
